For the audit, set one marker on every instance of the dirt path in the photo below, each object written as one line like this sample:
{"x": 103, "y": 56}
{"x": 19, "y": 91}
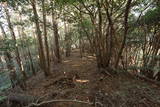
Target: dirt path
{"x": 78, "y": 78}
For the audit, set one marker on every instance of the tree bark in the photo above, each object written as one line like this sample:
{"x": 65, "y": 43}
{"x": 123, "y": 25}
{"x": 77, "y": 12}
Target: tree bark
{"x": 110, "y": 33}
{"x": 56, "y": 36}
{"x": 28, "y": 47}
{"x": 67, "y": 40}
{"x": 125, "y": 32}
{"x": 39, "y": 36}
{"x": 45, "y": 36}
{"x": 18, "y": 59}
{"x": 31, "y": 61}
{"x": 8, "y": 57}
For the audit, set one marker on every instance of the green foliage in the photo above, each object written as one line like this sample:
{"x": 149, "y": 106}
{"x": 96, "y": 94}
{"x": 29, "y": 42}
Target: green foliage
{"x": 2, "y": 98}
{"x": 87, "y": 24}
{"x": 84, "y": 25}
{"x": 152, "y": 17}
{"x": 7, "y": 44}
{"x": 14, "y": 3}
{"x": 65, "y": 2}
{"x": 26, "y": 42}
{"x": 135, "y": 37}
{"x": 4, "y": 80}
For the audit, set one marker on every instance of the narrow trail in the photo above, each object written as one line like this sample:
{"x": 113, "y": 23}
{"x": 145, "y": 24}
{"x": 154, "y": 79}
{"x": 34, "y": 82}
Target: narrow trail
{"x": 78, "y": 78}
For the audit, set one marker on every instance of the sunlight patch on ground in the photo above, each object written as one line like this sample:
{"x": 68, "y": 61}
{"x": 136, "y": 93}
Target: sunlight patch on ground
{"x": 67, "y": 61}
{"x": 83, "y": 62}
{"x": 91, "y": 57}
{"x": 82, "y": 81}
{"x": 76, "y": 65}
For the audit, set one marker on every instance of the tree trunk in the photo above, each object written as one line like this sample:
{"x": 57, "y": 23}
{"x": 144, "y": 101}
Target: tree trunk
{"x": 80, "y": 47}
{"x": 68, "y": 46}
{"x": 67, "y": 41}
{"x": 110, "y": 33}
{"x": 87, "y": 34}
{"x": 45, "y": 36}
{"x": 8, "y": 57}
{"x": 20, "y": 34}
{"x": 125, "y": 31}
{"x": 31, "y": 61}
{"x": 39, "y": 36}
{"x": 18, "y": 59}
{"x": 28, "y": 48}
{"x": 56, "y": 36}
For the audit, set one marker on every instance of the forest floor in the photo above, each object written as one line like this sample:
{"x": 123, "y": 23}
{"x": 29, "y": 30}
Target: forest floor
{"x": 78, "y": 78}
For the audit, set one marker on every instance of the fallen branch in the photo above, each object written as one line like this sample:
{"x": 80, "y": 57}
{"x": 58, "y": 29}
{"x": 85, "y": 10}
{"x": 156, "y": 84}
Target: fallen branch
{"x": 53, "y": 101}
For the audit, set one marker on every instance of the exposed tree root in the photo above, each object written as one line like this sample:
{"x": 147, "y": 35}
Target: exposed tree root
{"x": 61, "y": 100}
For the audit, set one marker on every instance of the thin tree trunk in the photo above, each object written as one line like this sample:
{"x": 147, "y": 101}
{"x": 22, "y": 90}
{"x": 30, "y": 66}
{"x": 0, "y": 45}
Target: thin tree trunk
{"x": 39, "y": 36}
{"x": 111, "y": 38}
{"x": 45, "y": 36}
{"x": 80, "y": 42}
{"x": 125, "y": 31}
{"x": 21, "y": 40}
{"x": 86, "y": 32}
{"x": 80, "y": 48}
{"x": 56, "y": 36}
{"x": 31, "y": 61}
{"x": 28, "y": 48}
{"x": 16, "y": 47}
{"x": 67, "y": 40}
{"x": 8, "y": 56}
